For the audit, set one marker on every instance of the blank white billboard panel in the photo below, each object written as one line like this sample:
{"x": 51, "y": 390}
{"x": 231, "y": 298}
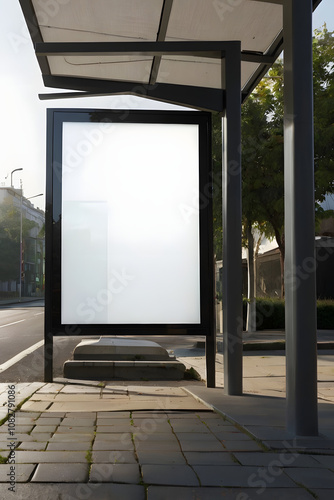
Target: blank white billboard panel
{"x": 130, "y": 250}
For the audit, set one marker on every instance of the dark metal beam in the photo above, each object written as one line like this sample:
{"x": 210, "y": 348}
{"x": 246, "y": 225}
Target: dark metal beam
{"x": 199, "y": 49}
{"x": 71, "y": 95}
{"x": 278, "y": 2}
{"x": 185, "y": 95}
{"x": 257, "y": 57}
{"x": 165, "y": 15}
{"x": 155, "y": 49}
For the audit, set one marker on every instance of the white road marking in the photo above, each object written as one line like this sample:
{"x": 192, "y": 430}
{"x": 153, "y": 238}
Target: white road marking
{"x": 15, "y": 323}
{"x": 37, "y": 314}
{"x": 20, "y": 356}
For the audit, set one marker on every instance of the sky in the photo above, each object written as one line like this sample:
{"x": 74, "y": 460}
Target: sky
{"x": 23, "y": 130}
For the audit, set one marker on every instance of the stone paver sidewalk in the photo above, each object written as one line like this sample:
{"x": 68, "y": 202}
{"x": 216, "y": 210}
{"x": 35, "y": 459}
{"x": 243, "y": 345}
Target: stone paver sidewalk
{"x": 159, "y": 452}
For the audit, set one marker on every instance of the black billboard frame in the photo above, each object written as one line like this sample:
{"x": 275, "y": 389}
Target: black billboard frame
{"x": 53, "y": 326}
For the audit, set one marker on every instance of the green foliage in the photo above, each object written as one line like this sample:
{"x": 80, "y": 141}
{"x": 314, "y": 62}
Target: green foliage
{"x": 325, "y": 314}
{"x": 263, "y": 146}
{"x": 270, "y": 314}
{"x": 323, "y": 82}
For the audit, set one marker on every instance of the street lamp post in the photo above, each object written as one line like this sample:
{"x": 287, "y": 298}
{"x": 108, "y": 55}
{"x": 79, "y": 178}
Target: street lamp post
{"x": 11, "y": 175}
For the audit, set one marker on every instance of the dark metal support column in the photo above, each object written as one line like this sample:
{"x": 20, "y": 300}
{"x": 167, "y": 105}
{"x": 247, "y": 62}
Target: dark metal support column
{"x": 231, "y": 192}
{"x": 300, "y": 289}
{"x": 48, "y": 357}
{"x": 210, "y": 358}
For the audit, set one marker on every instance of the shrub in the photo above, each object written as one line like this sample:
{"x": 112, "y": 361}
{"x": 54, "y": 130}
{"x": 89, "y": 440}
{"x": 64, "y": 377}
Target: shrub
{"x": 270, "y": 314}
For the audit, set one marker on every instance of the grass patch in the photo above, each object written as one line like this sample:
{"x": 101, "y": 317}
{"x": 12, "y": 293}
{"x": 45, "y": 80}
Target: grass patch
{"x": 3, "y": 460}
{"x": 89, "y": 457}
{"x": 191, "y": 374}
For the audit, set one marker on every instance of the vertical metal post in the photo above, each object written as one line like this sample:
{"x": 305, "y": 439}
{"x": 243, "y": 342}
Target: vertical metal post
{"x": 231, "y": 192}
{"x": 210, "y": 340}
{"x": 300, "y": 287}
{"x": 21, "y": 247}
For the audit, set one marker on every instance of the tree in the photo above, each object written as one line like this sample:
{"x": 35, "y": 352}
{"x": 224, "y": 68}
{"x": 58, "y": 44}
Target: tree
{"x": 323, "y": 83}
{"x": 263, "y": 148}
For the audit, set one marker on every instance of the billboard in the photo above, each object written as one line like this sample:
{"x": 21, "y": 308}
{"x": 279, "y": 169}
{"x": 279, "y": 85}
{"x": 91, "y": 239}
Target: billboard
{"x": 128, "y": 235}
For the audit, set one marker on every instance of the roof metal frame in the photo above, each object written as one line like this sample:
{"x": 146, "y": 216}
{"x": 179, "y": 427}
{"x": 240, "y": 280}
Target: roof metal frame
{"x": 196, "y": 97}
{"x": 203, "y": 98}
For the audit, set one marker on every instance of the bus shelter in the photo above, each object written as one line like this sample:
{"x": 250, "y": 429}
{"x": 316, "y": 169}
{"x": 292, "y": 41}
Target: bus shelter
{"x": 207, "y": 55}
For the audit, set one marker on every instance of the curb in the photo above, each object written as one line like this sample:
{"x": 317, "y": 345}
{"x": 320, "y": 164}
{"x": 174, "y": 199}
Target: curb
{"x": 277, "y": 345}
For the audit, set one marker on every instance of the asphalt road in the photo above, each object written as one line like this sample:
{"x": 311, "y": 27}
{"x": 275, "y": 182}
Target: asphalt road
{"x": 22, "y": 326}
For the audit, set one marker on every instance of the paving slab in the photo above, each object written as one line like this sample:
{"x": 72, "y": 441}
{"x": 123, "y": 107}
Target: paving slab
{"x": 81, "y": 389}
{"x": 36, "y": 406}
{"x": 114, "y": 456}
{"x": 242, "y": 445}
{"x": 72, "y": 437}
{"x": 165, "y": 445}
{"x": 283, "y": 459}
{"x": 115, "y": 428}
{"x": 241, "y": 476}
{"x": 40, "y": 429}
{"x": 63, "y": 429}
{"x": 154, "y": 457}
{"x": 154, "y": 436}
{"x": 113, "y": 421}
{"x": 115, "y": 473}
{"x": 232, "y": 436}
{"x": 69, "y": 446}
{"x": 77, "y": 422}
{"x": 181, "y": 475}
{"x": 201, "y": 446}
{"x": 23, "y": 419}
{"x": 22, "y": 473}
{"x": 189, "y": 427}
{"x": 17, "y": 428}
{"x": 61, "y": 473}
{"x": 186, "y": 493}
{"x": 209, "y": 458}
{"x": 41, "y": 421}
{"x": 185, "y": 437}
{"x": 113, "y": 415}
{"x": 91, "y": 491}
{"x": 112, "y": 445}
{"x": 37, "y": 436}
{"x": 50, "y": 457}
{"x": 123, "y": 437}
{"x": 312, "y": 478}
{"x": 32, "y": 445}
{"x": 50, "y": 388}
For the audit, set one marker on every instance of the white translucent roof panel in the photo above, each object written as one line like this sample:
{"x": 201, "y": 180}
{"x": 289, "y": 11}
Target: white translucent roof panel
{"x": 122, "y": 68}
{"x": 137, "y": 20}
{"x": 205, "y": 72}
{"x": 183, "y": 70}
{"x": 256, "y": 24}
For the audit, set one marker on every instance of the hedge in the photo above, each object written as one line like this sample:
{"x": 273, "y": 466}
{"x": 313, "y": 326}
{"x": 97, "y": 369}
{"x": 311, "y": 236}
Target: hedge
{"x": 270, "y": 314}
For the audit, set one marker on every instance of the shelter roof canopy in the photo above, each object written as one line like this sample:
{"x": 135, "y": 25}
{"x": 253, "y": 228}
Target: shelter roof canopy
{"x": 256, "y": 24}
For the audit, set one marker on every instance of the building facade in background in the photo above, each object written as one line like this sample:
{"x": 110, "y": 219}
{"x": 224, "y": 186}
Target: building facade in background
{"x": 27, "y": 259}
